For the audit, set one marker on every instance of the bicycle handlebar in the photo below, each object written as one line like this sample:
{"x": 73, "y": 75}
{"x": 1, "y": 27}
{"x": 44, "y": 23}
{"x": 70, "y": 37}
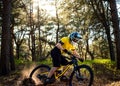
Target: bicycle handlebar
{"x": 69, "y": 53}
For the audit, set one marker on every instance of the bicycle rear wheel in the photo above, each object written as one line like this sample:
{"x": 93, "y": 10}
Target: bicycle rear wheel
{"x": 39, "y": 73}
{"x": 82, "y": 76}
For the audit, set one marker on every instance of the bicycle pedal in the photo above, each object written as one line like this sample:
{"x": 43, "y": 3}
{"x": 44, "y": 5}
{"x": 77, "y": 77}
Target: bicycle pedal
{"x": 64, "y": 79}
{"x": 41, "y": 76}
{"x": 48, "y": 81}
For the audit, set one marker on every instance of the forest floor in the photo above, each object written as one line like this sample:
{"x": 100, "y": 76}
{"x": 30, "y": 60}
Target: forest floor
{"x": 103, "y": 77}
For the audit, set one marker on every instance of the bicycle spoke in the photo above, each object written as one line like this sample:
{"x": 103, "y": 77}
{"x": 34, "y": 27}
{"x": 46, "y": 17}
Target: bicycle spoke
{"x": 39, "y": 74}
{"x": 82, "y": 77}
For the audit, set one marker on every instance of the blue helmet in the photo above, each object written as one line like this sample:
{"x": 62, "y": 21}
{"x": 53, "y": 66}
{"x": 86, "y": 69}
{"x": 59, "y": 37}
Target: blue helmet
{"x": 75, "y": 36}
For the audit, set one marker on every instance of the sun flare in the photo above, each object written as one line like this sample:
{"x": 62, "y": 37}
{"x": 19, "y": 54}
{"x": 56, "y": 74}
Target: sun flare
{"x": 46, "y": 5}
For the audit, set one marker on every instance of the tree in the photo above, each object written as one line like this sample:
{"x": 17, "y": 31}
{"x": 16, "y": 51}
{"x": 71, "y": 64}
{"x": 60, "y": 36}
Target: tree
{"x": 101, "y": 11}
{"x": 58, "y": 21}
{"x": 115, "y": 22}
{"x": 42, "y": 18}
{"x": 19, "y": 23}
{"x": 12, "y": 62}
{"x": 32, "y": 32}
{"x": 18, "y": 38}
{"x": 6, "y": 38}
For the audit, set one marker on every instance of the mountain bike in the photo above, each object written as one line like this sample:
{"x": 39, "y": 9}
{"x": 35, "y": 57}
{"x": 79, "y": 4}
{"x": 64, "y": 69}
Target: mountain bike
{"x": 81, "y": 75}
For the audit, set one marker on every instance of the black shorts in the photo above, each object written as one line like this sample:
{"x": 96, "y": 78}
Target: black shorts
{"x": 57, "y": 58}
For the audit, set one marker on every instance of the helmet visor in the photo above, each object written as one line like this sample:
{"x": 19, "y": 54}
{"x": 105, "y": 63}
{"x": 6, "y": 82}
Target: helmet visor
{"x": 76, "y": 39}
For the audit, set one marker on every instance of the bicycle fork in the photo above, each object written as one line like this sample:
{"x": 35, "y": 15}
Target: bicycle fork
{"x": 78, "y": 74}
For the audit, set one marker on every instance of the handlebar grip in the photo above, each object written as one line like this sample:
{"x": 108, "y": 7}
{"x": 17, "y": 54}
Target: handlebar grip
{"x": 80, "y": 59}
{"x": 66, "y": 51}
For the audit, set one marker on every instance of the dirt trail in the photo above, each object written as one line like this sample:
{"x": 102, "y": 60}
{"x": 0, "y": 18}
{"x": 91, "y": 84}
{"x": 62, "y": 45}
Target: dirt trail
{"x": 17, "y": 78}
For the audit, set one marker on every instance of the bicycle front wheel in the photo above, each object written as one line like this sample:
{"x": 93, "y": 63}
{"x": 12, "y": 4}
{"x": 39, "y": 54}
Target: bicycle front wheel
{"x": 82, "y": 76}
{"x": 39, "y": 73}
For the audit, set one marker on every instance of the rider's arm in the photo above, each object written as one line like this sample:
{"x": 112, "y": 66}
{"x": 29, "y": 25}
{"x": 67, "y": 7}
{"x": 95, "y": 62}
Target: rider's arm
{"x": 75, "y": 53}
{"x": 59, "y": 45}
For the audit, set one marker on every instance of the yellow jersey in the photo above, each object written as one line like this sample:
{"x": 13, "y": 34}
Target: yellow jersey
{"x": 67, "y": 44}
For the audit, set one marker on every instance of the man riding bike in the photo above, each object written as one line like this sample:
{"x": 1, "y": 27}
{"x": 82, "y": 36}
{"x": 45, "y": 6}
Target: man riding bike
{"x": 65, "y": 45}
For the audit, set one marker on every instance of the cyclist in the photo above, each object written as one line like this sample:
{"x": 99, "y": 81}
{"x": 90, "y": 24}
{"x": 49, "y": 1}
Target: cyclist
{"x": 65, "y": 45}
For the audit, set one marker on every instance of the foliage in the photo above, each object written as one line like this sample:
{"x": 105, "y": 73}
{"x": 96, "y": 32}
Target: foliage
{"x": 73, "y": 17}
{"x": 22, "y": 61}
{"x": 104, "y": 69}
{"x": 48, "y": 61}
{"x": 107, "y": 68}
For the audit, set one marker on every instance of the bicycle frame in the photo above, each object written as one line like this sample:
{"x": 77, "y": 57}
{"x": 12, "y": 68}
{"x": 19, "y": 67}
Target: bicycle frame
{"x": 74, "y": 64}
{"x": 64, "y": 71}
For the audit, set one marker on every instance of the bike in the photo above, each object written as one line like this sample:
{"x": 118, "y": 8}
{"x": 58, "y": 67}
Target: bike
{"x": 81, "y": 75}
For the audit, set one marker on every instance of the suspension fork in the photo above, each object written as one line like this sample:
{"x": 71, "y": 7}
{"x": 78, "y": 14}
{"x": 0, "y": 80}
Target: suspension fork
{"x": 77, "y": 72}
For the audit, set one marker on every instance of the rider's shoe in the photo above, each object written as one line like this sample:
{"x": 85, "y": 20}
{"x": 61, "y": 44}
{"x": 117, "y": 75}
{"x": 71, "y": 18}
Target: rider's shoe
{"x": 64, "y": 78}
{"x": 49, "y": 81}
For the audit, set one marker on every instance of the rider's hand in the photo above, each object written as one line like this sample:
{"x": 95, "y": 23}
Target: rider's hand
{"x": 81, "y": 59}
{"x": 66, "y": 51}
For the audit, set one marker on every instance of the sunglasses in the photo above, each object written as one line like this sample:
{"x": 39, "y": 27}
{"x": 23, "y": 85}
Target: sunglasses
{"x": 76, "y": 39}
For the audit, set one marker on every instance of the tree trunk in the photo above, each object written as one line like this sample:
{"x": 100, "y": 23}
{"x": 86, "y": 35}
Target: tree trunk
{"x": 116, "y": 30}
{"x": 12, "y": 62}
{"x": 33, "y": 47}
{"x": 89, "y": 52}
{"x": 58, "y": 22}
{"x": 112, "y": 53}
{"x": 32, "y": 32}
{"x": 101, "y": 16}
{"x": 39, "y": 30}
{"x": 17, "y": 51}
{"x": 6, "y": 38}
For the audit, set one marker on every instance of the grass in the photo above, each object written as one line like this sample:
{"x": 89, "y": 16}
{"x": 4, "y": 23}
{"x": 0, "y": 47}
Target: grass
{"x": 25, "y": 62}
{"x": 48, "y": 61}
{"x": 100, "y": 61}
